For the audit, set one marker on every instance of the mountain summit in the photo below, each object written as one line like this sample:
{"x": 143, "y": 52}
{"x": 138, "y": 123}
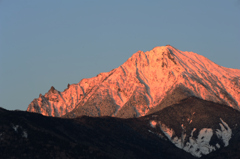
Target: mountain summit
{"x": 145, "y": 83}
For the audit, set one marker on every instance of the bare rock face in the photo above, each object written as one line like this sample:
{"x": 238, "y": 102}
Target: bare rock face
{"x": 146, "y": 82}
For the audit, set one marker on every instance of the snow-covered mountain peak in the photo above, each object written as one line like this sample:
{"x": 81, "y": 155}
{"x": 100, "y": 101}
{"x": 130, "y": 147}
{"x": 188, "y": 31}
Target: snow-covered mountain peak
{"x": 161, "y": 76}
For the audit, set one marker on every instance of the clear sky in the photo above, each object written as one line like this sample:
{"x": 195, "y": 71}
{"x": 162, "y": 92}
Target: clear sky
{"x": 48, "y": 43}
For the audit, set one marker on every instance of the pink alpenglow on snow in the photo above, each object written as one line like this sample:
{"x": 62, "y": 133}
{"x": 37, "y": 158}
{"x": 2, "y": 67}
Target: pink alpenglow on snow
{"x": 143, "y": 82}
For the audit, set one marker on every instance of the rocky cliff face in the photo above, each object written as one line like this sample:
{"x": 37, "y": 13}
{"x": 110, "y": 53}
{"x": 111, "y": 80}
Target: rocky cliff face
{"x": 146, "y": 82}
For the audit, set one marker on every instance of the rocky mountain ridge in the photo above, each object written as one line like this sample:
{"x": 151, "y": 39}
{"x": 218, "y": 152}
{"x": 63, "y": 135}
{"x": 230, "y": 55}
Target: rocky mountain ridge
{"x": 146, "y": 82}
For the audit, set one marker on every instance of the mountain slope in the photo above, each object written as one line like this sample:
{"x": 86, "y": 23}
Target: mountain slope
{"x": 31, "y": 135}
{"x": 199, "y": 129}
{"x": 143, "y": 82}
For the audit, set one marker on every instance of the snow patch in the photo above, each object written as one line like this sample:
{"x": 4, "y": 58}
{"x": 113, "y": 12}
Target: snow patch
{"x": 153, "y": 124}
{"x": 150, "y": 131}
{"x": 225, "y": 133}
{"x": 177, "y": 142}
{"x": 25, "y": 134}
{"x": 15, "y": 128}
{"x": 201, "y": 145}
{"x": 197, "y": 147}
{"x": 167, "y": 131}
{"x": 158, "y": 134}
{"x": 189, "y": 121}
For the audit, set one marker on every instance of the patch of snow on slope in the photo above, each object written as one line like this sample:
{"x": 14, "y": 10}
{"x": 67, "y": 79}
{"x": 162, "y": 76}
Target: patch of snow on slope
{"x": 15, "y": 128}
{"x": 25, "y": 134}
{"x": 201, "y": 145}
{"x": 158, "y": 134}
{"x": 167, "y": 131}
{"x": 177, "y": 142}
{"x": 153, "y": 124}
{"x": 225, "y": 133}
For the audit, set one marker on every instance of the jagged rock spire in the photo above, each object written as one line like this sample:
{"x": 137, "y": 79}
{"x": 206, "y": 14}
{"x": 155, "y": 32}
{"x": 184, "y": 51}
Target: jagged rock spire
{"x": 52, "y": 89}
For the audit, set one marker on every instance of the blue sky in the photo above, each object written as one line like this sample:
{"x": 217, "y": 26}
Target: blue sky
{"x": 55, "y": 42}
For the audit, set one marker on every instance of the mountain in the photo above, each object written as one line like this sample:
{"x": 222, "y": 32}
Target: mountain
{"x": 147, "y": 82}
{"x": 200, "y": 129}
